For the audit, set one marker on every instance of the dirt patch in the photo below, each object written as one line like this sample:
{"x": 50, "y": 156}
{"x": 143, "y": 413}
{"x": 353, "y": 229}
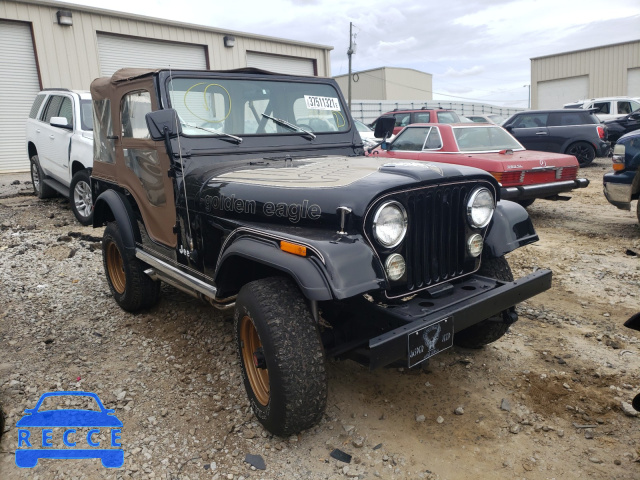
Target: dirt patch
{"x": 543, "y": 402}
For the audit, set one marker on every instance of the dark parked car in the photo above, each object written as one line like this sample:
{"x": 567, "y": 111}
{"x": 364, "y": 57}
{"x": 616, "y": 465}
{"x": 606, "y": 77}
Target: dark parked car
{"x": 618, "y": 127}
{"x": 623, "y": 184}
{"x": 575, "y": 132}
{"x": 423, "y": 115}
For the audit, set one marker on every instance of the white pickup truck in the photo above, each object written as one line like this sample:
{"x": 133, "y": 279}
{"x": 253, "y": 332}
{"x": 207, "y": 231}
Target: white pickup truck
{"x": 60, "y": 146}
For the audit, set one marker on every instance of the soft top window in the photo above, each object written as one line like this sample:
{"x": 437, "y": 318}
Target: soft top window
{"x": 242, "y": 107}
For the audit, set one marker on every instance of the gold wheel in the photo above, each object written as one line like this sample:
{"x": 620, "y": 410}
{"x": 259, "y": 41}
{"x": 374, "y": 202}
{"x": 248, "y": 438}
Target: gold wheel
{"x": 253, "y": 359}
{"x": 115, "y": 268}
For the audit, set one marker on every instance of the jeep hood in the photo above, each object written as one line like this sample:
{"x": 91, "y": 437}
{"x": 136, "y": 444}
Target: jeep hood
{"x": 325, "y": 183}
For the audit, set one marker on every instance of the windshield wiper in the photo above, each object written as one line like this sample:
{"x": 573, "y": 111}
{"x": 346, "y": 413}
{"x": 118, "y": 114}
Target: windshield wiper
{"x": 291, "y": 126}
{"x": 237, "y": 140}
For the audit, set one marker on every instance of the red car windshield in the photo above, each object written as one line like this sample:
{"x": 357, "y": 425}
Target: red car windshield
{"x": 484, "y": 139}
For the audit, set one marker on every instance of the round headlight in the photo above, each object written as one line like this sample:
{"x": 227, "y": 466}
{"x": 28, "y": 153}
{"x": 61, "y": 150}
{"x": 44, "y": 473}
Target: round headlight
{"x": 395, "y": 267}
{"x": 475, "y": 244}
{"x": 390, "y": 224}
{"x": 480, "y": 208}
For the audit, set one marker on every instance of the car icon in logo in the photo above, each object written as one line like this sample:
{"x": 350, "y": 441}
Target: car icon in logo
{"x": 34, "y": 444}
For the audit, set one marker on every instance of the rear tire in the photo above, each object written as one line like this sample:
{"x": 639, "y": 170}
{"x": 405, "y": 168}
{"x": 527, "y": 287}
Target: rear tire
{"x": 132, "y": 289}
{"x": 281, "y": 356}
{"x": 491, "y": 329}
{"x": 37, "y": 180}
{"x": 583, "y": 152}
{"x": 80, "y": 197}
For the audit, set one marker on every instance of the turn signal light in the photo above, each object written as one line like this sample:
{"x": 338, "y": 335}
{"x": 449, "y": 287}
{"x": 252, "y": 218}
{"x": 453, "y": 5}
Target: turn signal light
{"x": 293, "y": 248}
{"x": 618, "y": 157}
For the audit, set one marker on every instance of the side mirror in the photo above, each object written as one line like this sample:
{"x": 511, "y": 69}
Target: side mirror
{"x": 60, "y": 122}
{"x": 384, "y": 127}
{"x": 635, "y": 115}
{"x": 508, "y": 128}
{"x": 162, "y": 122}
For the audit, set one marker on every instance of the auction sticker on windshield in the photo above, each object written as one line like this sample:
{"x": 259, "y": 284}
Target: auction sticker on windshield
{"x": 322, "y": 103}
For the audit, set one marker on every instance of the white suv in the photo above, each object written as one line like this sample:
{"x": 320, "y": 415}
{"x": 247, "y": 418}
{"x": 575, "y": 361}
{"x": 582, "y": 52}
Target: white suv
{"x": 607, "y": 108}
{"x": 60, "y": 146}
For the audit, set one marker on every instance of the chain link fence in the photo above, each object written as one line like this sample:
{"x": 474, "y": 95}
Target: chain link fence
{"x": 368, "y": 110}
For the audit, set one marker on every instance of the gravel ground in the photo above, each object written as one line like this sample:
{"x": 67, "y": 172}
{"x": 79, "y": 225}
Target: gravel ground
{"x": 549, "y": 400}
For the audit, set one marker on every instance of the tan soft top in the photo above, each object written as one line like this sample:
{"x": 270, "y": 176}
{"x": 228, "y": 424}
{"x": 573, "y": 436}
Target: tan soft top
{"x": 103, "y": 87}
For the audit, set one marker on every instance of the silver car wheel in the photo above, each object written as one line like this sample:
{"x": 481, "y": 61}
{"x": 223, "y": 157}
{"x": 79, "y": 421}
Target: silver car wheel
{"x": 35, "y": 176}
{"x": 82, "y": 198}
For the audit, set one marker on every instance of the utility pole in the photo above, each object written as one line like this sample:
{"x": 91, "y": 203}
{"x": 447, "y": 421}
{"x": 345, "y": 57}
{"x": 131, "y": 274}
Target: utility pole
{"x": 349, "y": 53}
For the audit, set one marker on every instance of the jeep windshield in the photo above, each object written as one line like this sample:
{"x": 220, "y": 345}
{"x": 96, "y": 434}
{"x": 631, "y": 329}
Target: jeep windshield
{"x": 209, "y": 107}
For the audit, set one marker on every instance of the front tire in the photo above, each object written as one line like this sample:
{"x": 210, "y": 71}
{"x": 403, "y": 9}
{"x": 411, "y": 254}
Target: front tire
{"x": 491, "y": 329}
{"x": 37, "y": 180}
{"x": 132, "y": 289}
{"x": 281, "y": 356}
{"x": 583, "y": 152}
{"x": 80, "y": 197}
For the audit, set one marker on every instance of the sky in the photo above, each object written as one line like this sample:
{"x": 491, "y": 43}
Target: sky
{"x": 476, "y": 50}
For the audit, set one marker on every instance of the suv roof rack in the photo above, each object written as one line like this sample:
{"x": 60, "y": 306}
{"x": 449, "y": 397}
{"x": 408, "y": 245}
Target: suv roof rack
{"x": 59, "y": 89}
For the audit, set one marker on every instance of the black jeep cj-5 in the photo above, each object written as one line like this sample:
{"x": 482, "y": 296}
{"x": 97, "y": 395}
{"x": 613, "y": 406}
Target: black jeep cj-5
{"x": 251, "y": 191}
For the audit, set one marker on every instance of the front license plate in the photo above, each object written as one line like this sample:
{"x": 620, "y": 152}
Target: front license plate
{"x": 430, "y": 340}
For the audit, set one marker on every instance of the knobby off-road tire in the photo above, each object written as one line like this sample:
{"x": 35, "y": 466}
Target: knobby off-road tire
{"x": 132, "y": 289}
{"x": 275, "y": 329}
{"x": 80, "y": 197}
{"x": 493, "y": 328}
{"x": 37, "y": 180}
{"x": 583, "y": 152}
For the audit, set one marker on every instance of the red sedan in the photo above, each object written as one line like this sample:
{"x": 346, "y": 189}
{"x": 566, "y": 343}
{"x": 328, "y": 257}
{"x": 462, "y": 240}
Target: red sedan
{"x": 523, "y": 174}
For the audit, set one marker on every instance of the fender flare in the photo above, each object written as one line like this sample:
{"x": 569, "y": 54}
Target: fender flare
{"x": 510, "y": 228}
{"x": 304, "y": 271}
{"x": 112, "y": 206}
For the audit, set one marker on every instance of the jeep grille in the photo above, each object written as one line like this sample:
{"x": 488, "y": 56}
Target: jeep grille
{"x": 435, "y": 245}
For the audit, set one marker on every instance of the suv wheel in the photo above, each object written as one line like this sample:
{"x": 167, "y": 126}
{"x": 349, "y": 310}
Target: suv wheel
{"x": 37, "y": 180}
{"x": 493, "y": 328}
{"x": 583, "y": 152}
{"x": 281, "y": 356}
{"x": 132, "y": 289}
{"x": 81, "y": 200}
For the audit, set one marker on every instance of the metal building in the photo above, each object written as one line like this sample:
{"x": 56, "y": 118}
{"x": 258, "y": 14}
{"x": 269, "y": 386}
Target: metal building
{"x": 48, "y": 44}
{"x": 606, "y": 71}
{"x": 388, "y": 83}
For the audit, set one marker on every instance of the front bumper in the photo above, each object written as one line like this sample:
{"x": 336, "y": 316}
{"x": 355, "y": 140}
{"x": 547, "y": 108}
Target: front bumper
{"x": 468, "y": 302}
{"x": 543, "y": 190}
{"x": 618, "y": 188}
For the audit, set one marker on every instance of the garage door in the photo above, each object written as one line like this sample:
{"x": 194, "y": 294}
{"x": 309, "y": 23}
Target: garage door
{"x": 119, "y": 52}
{"x": 555, "y": 93}
{"x": 279, "y": 64}
{"x": 633, "y": 82}
{"x": 18, "y": 87}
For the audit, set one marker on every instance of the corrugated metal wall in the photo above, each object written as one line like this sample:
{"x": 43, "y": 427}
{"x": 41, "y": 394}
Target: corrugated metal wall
{"x": 388, "y": 83}
{"x": 606, "y": 67}
{"x": 68, "y": 56}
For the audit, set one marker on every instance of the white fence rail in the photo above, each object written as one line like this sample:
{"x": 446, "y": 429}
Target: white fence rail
{"x": 368, "y": 110}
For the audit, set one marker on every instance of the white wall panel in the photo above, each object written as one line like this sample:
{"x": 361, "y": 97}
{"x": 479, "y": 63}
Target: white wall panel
{"x": 118, "y": 52}
{"x": 281, "y": 64}
{"x": 633, "y": 82}
{"x": 555, "y": 93}
{"x": 18, "y": 88}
